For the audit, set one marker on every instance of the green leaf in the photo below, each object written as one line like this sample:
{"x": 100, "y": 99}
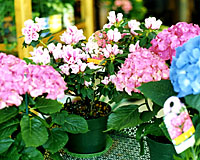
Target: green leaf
{"x": 56, "y": 156}
{"x": 143, "y": 41}
{"x": 119, "y": 60}
{"x": 57, "y": 140}
{"x": 75, "y": 124}
{"x": 158, "y": 91}
{"x": 47, "y": 106}
{"x": 59, "y": 117}
{"x": 34, "y": 133}
{"x": 7, "y": 128}
{"x": 11, "y": 154}
{"x": 7, "y": 113}
{"x": 123, "y": 117}
{"x": 193, "y": 101}
{"x": 153, "y": 129}
{"x": 197, "y": 134}
{"x": 111, "y": 68}
{"x": 147, "y": 115}
{"x": 5, "y": 144}
{"x": 31, "y": 153}
{"x": 84, "y": 91}
{"x": 164, "y": 130}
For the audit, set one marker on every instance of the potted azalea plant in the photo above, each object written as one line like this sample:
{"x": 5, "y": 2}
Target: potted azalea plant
{"x": 30, "y": 122}
{"x": 89, "y": 68}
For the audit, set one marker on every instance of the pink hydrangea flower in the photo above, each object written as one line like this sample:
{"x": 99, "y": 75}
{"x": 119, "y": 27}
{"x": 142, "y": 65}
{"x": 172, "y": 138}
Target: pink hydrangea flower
{"x": 152, "y": 23}
{"x": 72, "y": 35}
{"x": 141, "y": 66}
{"x": 114, "y": 35}
{"x": 166, "y": 41}
{"x": 18, "y": 78}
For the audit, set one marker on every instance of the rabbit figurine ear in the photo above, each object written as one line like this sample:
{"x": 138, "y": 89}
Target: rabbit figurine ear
{"x": 178, "y": 124}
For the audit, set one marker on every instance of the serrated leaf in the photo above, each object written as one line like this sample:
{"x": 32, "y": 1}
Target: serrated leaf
{"x": 75, "y": 124}
{"x": 123, "y": 117}
{"x": 31, "y": 153}
{"x": 34, "y": 133}
{"x": 7, "y": 128}
{"x": 5, "y": 144}
{"x": 7, "y": 113}
{"x": 47, "y": 106}
{"x": 57, "y": 140}
{"x": 193, "y": 101}
{"x": 59, "y": 117}
{"x": 158, "y": 91}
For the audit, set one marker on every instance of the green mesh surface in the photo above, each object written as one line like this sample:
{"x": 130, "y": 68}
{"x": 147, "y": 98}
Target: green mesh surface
{"x": 109, "y": 143}
{"x": 124, "y": 147}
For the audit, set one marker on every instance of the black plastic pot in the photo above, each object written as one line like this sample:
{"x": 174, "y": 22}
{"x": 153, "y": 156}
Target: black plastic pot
{"x": 160, "y": 151}
{"x": 91, "y": 142}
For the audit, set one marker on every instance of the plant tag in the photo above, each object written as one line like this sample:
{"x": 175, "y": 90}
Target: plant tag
{"x": 179, "y": 124}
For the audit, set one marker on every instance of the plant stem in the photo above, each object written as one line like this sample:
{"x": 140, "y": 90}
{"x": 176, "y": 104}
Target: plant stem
{"x": 43, "y": 44}
{"x": 193, "y": 153}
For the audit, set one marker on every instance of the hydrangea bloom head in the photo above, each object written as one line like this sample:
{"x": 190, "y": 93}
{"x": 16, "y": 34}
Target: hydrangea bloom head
{"x": 166, "y": 41}
{"x": 141, "y": 66}
{"x": 185, "y": 68}
{"x": 18, "y": 78}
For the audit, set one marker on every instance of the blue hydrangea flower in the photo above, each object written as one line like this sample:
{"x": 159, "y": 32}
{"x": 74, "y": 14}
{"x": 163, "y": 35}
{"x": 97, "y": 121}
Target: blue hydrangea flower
{"x": 185, "y": 68}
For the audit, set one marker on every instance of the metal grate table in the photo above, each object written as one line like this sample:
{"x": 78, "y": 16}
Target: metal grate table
{"x": 124, "y": 147}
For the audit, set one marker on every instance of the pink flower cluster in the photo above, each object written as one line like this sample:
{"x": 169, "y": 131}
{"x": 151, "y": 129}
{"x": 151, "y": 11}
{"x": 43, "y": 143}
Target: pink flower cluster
{"x": 152, "y": 23}
{"x": 124, "y": 4}
{"x": 141, "y": 66}
{"x": 30, "y": 31}
{"x": 166, "y": 41}
{"x": 18, "y": 78}
{"x": 179, "y": 124}
{"x": 113, "y": 18}
{"x": 110, "y": 50}
{"x": 72, "y": 35}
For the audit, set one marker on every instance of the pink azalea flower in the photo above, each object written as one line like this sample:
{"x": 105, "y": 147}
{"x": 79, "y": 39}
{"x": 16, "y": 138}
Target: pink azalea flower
{"x": 134, "y": 25}
{"x": 152, "y": 23}
{"x": 72, "y": 35}
{"x": 30, "y": 31}
{"x": 113, "y": 18}
{"x": 114, "y": 35}
{"x": 40, "y": 55}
